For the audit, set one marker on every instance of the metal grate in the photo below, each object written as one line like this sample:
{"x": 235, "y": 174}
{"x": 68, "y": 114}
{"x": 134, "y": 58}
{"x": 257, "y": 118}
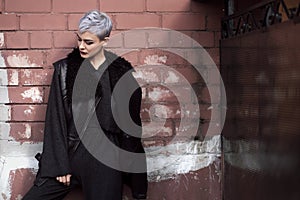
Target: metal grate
{"x": 260, "y": 15}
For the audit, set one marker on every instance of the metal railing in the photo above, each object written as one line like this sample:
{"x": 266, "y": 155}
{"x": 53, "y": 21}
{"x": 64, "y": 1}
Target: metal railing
{"x": 258, "y": 16}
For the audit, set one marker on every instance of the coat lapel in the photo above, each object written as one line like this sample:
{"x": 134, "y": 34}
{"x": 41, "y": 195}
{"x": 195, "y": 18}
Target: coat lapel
{"x": 118, "y": 66}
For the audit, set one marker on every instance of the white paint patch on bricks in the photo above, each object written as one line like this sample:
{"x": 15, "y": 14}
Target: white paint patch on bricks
{"x": 5, "y": 113}
{"x": 8, "y": 164}
{"x": 155, "y": 60}
{"x": 4, "y": 109}
{"x": 27, "y": 73}
{"x": 4, "y": 131}
{"x": 1, "y": 39}
{"x": 2, "y": 161}
{"x": 27, "y": 133}
{"x": 14, "y": 149}
{"x": 3, "y": 77}
{"x": 2, "y": 61}
{"x": 20, "y": 61}
{"x": 171, "y": 77}
{"x": 145, "y": 75}
{"x": 158, "y": 94}
{"x": 180, "y": 158}
{"x": 34, "y": 94}
{"x": 14, "y": 155}
{"x": 14, "y": 78}
{"x": 144, "y": 92}
{"x": 29, "y": 110}
{"x": 162, "y": 111}
{"x": 4, "y": 95}
{"x": 153, "y": 129}
{"x": 8, "y": 79}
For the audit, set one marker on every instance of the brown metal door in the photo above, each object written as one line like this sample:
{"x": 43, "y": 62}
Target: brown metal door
{"x": 261, "y": 136}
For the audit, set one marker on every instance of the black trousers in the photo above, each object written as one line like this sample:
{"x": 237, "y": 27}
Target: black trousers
{"x": 98, "y": 181}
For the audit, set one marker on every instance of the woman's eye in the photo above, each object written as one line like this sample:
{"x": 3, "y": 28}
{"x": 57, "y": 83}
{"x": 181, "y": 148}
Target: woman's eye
{"x": 89, "y": 43}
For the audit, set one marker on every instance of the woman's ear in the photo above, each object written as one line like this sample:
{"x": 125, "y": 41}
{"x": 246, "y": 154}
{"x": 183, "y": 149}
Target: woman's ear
{"x": 105, "y": 40}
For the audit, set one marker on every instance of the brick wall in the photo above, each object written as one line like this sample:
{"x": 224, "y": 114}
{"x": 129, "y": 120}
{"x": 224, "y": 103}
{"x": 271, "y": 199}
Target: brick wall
{"x": 35, "y": 33}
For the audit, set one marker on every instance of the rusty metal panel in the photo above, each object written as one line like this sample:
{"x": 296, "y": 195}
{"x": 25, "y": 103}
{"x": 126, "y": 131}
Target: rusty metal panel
{"x": 261, "y": 136}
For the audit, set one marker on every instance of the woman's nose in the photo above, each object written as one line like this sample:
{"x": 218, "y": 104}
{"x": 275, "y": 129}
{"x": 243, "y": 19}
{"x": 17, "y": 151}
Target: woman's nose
{"x": 80, "y": 45}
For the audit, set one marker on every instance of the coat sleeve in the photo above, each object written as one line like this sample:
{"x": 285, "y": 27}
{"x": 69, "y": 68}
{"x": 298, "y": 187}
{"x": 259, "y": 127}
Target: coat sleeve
{"x": 55, "y": 160}
{"x": 137, "y": 181}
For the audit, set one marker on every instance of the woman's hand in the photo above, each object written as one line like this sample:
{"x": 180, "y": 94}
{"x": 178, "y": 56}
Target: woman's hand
{"x": 64, "y": 179}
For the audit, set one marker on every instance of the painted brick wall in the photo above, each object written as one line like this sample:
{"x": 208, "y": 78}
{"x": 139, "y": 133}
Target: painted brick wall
{"x": 35, "y": 33}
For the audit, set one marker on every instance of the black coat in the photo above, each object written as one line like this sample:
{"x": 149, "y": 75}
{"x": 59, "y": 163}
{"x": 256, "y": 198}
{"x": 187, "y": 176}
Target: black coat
{"x": 55, "y": 157}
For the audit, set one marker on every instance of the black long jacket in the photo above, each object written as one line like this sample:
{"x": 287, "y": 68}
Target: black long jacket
{"x": 55, "y": 156}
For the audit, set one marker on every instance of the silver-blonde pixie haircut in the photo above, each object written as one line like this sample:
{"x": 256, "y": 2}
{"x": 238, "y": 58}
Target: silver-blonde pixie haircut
{"x": 97, "y": 23}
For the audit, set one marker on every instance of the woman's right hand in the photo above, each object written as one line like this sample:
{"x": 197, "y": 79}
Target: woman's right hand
{"x": 66, "y": 179}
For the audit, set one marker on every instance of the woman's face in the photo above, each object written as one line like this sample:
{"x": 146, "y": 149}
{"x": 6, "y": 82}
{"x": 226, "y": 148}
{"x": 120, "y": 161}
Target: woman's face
{"x": 89, "y": 44}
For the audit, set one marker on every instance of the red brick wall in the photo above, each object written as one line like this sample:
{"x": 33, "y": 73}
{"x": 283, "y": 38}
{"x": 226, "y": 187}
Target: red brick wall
{"x": 35, "y": 33}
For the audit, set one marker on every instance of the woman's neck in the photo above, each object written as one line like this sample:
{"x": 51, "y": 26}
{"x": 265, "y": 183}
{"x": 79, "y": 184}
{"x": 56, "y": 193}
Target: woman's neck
{"x": 98, "y": 59}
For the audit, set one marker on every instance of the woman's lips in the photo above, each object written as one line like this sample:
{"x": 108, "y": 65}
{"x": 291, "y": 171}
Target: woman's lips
{"x": 83, "y": 53}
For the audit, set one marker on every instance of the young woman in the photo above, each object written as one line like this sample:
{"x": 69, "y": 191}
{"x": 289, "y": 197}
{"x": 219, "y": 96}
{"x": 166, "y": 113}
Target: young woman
{"x": 73, "y": 140}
